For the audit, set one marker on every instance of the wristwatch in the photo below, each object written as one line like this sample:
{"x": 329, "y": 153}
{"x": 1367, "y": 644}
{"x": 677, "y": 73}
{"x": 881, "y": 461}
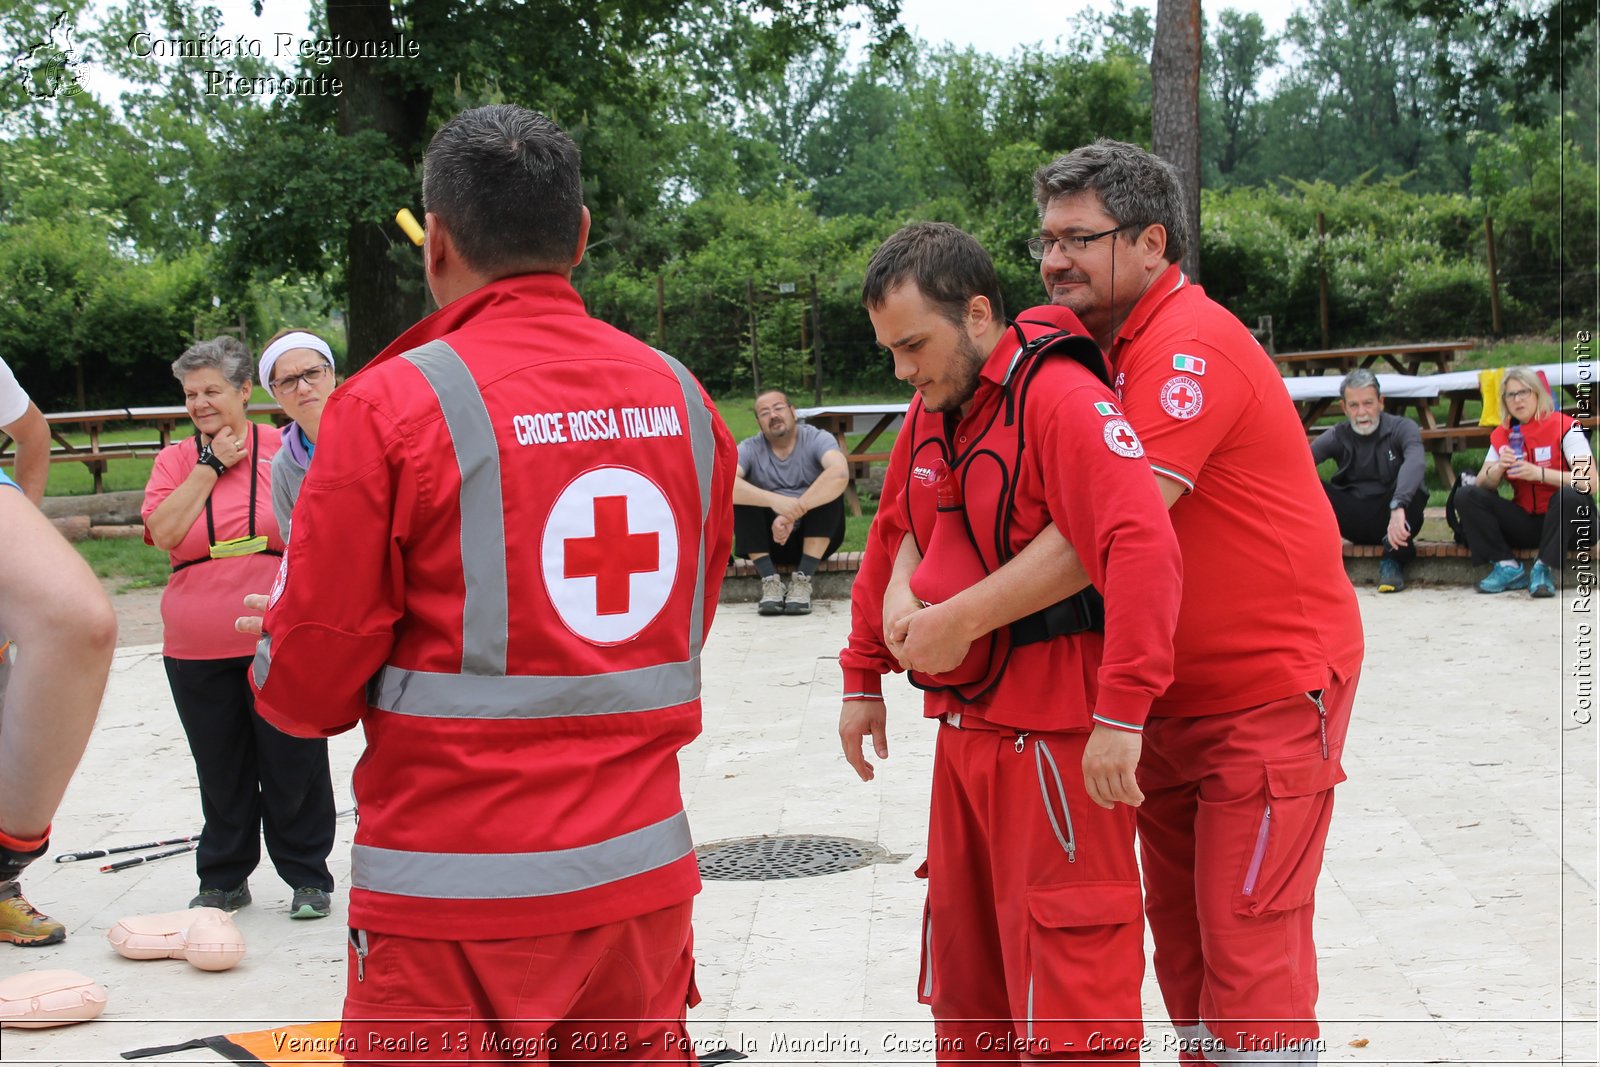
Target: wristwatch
{"x": 209, "y": 458}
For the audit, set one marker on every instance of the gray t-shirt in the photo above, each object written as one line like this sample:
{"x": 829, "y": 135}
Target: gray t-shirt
{"x": 792, "y": 476}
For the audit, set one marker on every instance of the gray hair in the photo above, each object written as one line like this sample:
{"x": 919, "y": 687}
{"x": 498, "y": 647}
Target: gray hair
{"x": 226, "y": 355}
{"x": 1360, "y": 378}
{"x": 1137, "y": 188}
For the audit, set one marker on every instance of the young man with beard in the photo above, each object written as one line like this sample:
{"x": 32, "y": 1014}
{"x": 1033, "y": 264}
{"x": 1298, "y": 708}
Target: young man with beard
{"x": 1032, "y": 940}
{"x": 787, "y": 503}
{"x": 1376, "y": 492}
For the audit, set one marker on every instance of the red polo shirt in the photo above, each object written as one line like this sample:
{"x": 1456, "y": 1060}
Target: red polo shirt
{"x": 1267, "y": 608}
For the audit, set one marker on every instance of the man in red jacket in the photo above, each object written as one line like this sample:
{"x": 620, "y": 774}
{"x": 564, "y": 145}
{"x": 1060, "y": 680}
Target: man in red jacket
{"x": 507, "y": 552}
{"x": 1033, "y": 945}
{"x": 1242, "y": 753}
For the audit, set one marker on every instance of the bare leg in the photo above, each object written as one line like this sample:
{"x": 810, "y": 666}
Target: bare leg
{"x": 51, "y": 604}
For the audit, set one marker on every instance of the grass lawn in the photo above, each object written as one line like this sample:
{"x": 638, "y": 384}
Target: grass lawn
{"x": 130, "y": 562}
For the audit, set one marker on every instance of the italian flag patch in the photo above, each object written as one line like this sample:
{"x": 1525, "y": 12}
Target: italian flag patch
{"x": 1192, "y": 364}
{"x": 1106, "y": 409}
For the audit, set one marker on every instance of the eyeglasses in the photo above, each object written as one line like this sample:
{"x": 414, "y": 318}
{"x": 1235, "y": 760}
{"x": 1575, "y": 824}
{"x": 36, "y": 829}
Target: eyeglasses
{"x": 313, "y": 376}
{"x": 1039, "y": 247}
{"x": 1518, "y": 394}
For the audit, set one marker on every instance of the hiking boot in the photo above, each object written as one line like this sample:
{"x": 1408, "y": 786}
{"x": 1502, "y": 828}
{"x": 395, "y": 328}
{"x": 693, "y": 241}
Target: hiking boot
{"x": 1504, "y": 576}
{"x": 22, "y": 924}
{"x": 798, "y": 602}
{"x": 1541, "y": 584}
{"x": 1390, "y": 580}
{"x": 226, "y": 899}
{"x": 771, "y": 602}
{"x": 310, "y": 903}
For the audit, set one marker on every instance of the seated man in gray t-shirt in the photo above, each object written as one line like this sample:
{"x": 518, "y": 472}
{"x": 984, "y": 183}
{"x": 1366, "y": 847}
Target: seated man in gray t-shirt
{"x": 787, "y": 505}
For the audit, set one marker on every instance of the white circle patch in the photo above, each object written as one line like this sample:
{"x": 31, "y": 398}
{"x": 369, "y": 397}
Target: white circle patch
{"x": 1121, "y": 439}
{"x": 609, "y": 554}
{"x": 280, "y": 583}
{"x": 1182, "y": 397}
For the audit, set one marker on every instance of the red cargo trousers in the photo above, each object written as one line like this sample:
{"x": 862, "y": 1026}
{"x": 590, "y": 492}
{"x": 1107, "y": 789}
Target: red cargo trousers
{"x": 1231, "y": 834}
{"x": 1033, "y": 944}
{"x": 614, "y": 993}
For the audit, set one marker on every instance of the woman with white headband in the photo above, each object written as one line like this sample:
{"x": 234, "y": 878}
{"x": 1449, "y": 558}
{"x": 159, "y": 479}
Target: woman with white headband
{"x": 298, "y": 367}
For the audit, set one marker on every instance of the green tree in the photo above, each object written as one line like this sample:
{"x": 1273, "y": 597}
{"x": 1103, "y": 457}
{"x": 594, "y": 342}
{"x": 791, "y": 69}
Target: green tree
{"x": 1238, "y": 54}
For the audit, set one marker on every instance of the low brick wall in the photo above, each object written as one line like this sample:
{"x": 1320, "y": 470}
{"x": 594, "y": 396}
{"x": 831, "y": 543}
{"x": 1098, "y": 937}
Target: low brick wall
{"x": 1437, "y": 563}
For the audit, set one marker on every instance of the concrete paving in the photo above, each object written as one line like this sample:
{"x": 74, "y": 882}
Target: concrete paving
{"x": 1457, "y": 917}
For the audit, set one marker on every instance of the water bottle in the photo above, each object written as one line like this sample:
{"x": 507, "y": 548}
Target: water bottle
{"x": 1516, "y": 442}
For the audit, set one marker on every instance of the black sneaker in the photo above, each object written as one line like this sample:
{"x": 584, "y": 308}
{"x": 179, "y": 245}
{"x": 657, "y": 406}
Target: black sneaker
{"x": 226, "y": 899}
{"x": 1390, "y": 580}
{"x": 310, "y": 903}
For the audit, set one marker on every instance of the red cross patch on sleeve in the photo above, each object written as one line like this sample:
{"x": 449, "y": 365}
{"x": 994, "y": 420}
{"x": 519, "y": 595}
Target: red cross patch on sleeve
{"x": 1182, "y": 397}
{"x": 1121, "y": 439}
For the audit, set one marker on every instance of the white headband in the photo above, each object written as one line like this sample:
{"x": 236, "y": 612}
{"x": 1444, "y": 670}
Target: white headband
{"x": 284, "y": 344}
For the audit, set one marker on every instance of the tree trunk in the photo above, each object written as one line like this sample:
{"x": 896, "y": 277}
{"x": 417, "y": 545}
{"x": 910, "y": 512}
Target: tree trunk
{"x": 383, "y": 273}
{"x": 1175, "y": 109}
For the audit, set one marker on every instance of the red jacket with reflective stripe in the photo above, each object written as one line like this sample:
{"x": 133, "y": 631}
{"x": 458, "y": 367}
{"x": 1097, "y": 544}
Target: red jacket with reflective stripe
{"x": 517, "y": 778}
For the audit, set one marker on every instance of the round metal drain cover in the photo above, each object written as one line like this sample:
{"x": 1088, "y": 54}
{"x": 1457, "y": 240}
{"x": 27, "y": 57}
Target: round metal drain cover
{"x": 757, "y": 859}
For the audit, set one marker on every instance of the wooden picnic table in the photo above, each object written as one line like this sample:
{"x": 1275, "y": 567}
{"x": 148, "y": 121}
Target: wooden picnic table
{"x": 169, "y": 417}
{"x": 869, "y": 420}
{"x": 1455, "y": 431}
{"x": 98, "y": 452}
{"x": 1405, "y": 358}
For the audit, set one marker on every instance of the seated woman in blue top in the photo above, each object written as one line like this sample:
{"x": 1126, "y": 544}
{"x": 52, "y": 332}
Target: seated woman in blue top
{"x": 298, "y": 367}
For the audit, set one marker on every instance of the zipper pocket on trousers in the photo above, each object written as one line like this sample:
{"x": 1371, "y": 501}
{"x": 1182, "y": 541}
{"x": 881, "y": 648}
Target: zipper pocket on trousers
{"x": 1069, "y": 840}
{"x": 358, "y": 941}
{"x": 1322, "y": 719}
{"x": 1254, "y": 870}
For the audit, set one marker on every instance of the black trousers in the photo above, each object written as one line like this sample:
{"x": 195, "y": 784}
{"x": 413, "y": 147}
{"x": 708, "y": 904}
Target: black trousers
{"x": 1493, "y": 525}
{"x": 255, "y": 781}
{"x": 752, "y": 531}
{"x": 1364, "y": 520}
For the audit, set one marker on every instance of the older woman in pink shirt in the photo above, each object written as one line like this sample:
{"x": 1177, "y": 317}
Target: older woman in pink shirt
{"x": 209, "y": 504}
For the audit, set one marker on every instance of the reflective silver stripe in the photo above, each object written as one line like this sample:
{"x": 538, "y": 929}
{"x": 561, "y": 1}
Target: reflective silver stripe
{"x": 1189, "y": 1037}
{"x": 531, "y": 696}
{"x": 486, "y": 614}
{"x": 515, "y": 875}
{"x": 927, "y": 951}
{"x": 263, "y": 661}
{"x": 1293, "y": 1053}
{"x": 703, "y": 444}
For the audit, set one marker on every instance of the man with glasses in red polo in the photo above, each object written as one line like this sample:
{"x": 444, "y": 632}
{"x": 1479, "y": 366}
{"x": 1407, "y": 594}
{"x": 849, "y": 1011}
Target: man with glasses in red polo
{"x": 1241, "y": 754}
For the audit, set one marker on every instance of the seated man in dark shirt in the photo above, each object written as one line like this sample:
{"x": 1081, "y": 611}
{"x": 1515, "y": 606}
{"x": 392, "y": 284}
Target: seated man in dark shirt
{"x": 1377, "y": 491}
{"x": 786, "y": 503}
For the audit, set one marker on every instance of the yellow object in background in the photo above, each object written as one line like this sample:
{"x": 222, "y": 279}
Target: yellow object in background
{"x": 408, "y": 222}
{"x": 1489, "y": 382}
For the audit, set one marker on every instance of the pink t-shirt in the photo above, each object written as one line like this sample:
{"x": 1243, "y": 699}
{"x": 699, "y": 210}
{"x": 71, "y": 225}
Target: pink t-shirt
{"x": 202, "y": 601}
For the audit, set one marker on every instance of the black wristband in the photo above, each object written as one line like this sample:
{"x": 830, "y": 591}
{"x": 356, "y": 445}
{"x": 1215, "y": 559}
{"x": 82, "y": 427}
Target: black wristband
{"x": 209, "y": 458}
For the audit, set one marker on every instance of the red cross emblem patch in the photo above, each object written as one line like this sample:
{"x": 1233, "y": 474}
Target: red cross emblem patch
{"x": 609, "y": 554}
{"x": 1121, "y": 439}
{"x": 1182, "y": 397}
